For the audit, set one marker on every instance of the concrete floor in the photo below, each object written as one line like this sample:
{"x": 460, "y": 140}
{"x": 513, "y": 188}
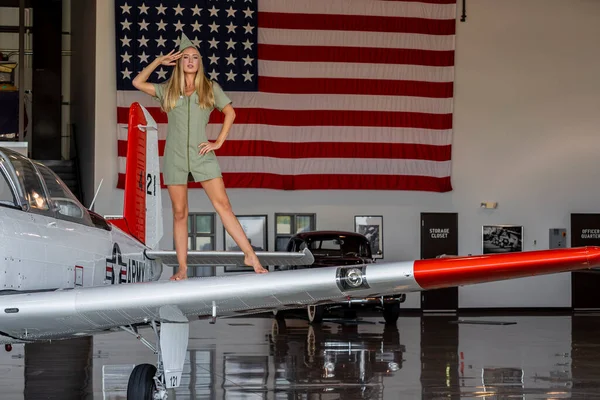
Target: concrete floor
{"x": 433, "y": 357}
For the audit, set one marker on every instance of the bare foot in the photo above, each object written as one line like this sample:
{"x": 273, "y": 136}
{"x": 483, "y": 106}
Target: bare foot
{"x": 251, "y": 260}
{"x": 180, "y": 275}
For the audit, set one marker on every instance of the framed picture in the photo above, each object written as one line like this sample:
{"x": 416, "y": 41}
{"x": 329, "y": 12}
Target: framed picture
{"x": 372, "y": 227}
{"x": 255, "y": 227}
{"x": 502, "y": 239}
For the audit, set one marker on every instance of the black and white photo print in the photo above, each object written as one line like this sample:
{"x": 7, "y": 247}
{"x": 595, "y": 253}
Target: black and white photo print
{"x": 502, "y": 239}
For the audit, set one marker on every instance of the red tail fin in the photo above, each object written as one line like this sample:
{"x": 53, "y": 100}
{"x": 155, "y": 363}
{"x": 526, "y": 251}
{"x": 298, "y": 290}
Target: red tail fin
{"x": 142, "y": 208}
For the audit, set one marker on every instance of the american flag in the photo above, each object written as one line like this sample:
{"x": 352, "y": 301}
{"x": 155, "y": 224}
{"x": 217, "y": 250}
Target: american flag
{"x": 329, "y": 94}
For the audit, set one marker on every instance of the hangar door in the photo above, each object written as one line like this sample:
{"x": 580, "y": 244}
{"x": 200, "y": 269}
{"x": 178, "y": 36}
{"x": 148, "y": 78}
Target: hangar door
{"x": 439, "y": 235}
{"x": 585, "y": 231}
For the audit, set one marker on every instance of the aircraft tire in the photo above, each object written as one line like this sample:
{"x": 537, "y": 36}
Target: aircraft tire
{"x": 141, "y": 382}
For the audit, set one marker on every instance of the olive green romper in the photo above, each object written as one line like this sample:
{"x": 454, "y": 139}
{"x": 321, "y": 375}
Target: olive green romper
{"x": 186, "y": 129}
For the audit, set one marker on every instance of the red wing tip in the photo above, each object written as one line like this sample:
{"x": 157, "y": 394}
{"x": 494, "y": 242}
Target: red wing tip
{"x": 589, "y": 249}
{"x": 464, "y": 270}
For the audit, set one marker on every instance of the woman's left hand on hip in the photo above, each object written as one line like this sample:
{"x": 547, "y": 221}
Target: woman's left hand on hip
{"x": 205, "y": 147}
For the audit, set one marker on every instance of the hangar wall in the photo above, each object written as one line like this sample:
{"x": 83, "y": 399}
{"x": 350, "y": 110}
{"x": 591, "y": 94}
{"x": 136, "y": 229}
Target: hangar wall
{"x": 525, "y": 120}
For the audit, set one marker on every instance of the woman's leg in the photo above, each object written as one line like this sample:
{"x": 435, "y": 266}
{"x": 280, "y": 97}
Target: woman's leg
{"x": 215, "y": 189}
{"x": 179, "y": 201}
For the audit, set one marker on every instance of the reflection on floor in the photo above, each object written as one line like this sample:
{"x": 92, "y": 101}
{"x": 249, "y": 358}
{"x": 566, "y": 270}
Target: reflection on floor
{"x": 433, "y": 357}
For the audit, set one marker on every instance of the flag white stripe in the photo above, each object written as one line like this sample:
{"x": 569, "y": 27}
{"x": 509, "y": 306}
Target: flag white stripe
{"x": 384, "y": 40}
{"x": 360, "y": 7}
{"x": 284, "y": 69}
{"x": 277, "y": 101}
{"x": 336, "y": 134}
{"x": 309, "y": 166}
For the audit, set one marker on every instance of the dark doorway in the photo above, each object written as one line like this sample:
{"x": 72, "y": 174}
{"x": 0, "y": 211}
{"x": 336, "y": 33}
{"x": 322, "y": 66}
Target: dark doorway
{"x": 439, "y": 235}
{"x": 585, "y": 231}
{"x": 46, "y": 106}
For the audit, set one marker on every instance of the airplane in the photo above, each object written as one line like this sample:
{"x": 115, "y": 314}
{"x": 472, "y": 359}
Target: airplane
{"x": 67, "y": 272}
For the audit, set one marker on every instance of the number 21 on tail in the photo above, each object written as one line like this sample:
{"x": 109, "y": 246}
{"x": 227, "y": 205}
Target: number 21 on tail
{"x": 150, "y": 183}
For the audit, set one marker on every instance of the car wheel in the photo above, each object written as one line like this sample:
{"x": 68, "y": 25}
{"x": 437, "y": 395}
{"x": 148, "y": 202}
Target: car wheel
{"x": 391, "y": 313}
{"x": 315, "y": 313}
{"x": 279, "y": 314}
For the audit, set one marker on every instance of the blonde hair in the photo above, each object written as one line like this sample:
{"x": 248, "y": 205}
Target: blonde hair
{"x": 175, "y": 88}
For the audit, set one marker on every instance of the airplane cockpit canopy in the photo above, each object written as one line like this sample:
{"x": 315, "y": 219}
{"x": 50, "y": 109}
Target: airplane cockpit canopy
{"x": 32, "y": 186}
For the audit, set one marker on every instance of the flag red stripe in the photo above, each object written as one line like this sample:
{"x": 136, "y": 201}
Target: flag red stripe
{"x": 274, "y": 52}
{"x": 356, "y": 23}
{"x": 261, "y": 148}
{"x": 356, "y": 86}
{"x": 317, "y": 118}
{"x": 327, "y": 182}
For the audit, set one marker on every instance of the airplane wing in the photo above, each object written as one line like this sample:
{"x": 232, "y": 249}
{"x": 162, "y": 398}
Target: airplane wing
{"x": 169, "y": 257}
{"x": 83, "y": 311}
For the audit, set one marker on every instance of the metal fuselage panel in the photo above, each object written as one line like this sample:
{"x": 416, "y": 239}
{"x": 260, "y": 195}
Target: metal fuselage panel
{"x": 128, "y": 261}
{"x": 93, "y": 309}
{"x": 34, "y": 260}
{"x": 38, "y": 252}
{"x": 4, "y": 243}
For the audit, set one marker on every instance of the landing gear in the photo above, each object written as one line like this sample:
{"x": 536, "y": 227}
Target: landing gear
{"x": 149, "y": 382}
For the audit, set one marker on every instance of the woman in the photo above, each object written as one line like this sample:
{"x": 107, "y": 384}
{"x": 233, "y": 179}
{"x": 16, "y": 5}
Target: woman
{"x": 188, "y": 98}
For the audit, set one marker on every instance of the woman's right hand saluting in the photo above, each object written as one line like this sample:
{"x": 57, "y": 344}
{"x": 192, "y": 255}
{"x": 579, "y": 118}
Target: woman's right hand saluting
{"x": 170, "y": 58}
{"x": 140, "y": 81}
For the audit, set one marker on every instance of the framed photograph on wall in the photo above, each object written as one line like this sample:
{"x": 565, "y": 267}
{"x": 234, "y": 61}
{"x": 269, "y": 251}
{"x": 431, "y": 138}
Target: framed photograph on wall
{"x": 372, "y": 227}
{"x": 255, "y": 227}
{"x": 502, "y": 239}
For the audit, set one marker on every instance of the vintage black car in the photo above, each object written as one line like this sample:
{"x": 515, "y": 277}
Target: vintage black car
{"x": 331, "y": 248}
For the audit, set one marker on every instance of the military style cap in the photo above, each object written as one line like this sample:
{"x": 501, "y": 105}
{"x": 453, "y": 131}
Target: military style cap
{"x": 184, "y": 43}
